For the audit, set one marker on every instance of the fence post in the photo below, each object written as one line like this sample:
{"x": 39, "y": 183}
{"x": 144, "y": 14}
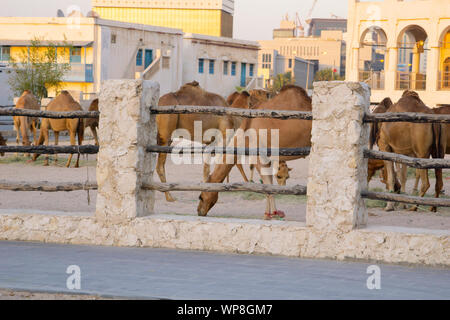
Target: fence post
{"x": 337, "y": 168}
{"x": 126, "y": 128}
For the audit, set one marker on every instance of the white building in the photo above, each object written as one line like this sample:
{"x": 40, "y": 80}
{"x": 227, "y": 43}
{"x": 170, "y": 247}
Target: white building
{"x": 220, "y": 64}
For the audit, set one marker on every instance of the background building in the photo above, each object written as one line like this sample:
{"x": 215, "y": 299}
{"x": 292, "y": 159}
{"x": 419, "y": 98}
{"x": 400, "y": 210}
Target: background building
{"x": 212, "y": 17}
{"x": 102, "y": 49}
{"x": 397, "y": 45}
{"x": 220, "y": 64}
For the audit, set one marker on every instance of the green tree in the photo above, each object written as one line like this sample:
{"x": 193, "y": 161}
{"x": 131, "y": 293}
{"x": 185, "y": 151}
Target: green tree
{"x": 280, "y": 80}
{"x": 327, "y": 75}
{"x": 36, "y": 69}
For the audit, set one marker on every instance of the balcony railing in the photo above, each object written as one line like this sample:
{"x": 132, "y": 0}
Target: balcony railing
{"x": 375, "y": 79}
{"x": 410, "y": 81}
{"x": 444, "y": 81}
{"x": 80, "y": 73}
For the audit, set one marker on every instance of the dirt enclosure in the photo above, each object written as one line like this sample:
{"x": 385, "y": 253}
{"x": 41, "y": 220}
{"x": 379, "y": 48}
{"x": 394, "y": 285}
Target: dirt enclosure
{"x": 235, "y": 204}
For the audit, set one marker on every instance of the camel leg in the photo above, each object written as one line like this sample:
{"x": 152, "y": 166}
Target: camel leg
{"x": 46, "y": 141}
{"x": 403, "y": 178}
{"x": 271, "y": 209}
{"x": 424, "y": 186}
{"x": 17, "y": 129}
{"x": 241, "y": 170}
{"x": 160, "y": 169}
{"x": 438, "y": 187}
{"x": 72, "y": 143}
{"x": 94, "y": 133}
{"x": 390, "y": 183}
{"x": 34, "y": 129}
{"x": 56, "y": 133}
{"x": 206, "y": 171}
{"x": 24, "y": 132}
{"x": 252, "y": 172}
{"x": 416, "y": 183}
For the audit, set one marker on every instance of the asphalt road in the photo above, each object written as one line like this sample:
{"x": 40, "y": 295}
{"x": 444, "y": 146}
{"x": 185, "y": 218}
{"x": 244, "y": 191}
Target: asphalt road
{"x": 174, "y": 274}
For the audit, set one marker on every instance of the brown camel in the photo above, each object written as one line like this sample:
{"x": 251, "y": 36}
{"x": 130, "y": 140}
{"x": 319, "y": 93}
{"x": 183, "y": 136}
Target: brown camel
{"x": 292, "y": 134}
{"x": 93, "y": 123}
{"x": 2, "y": 143}
{"x": 63, "y": 102}
{"x": 283, "y": 173}
{"x": 22, "y": 124}
{"x": 412, "y": 139}
{"x": 191, "y": 94}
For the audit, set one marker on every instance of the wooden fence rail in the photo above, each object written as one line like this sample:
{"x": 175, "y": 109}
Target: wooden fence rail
{"x": 235, "y": 151}
{"x": 434, "y": 202}
{"x": 222, "y": 111}
{"x": 84, "y": 149}
{"x": 220, "y": 187}
{"x": 45, "y": 186}
{"x": 406, "y": 117}
{"x": 48, "y": 114}
{"x": 417, "y": 163}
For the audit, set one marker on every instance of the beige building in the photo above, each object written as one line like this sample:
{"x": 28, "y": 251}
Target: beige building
{"x": 102, "y": 50}
{"x": 220, "y": 64}
{"x": 326, "y": 51}
{"x": 395, "y": 45}
{"x": 212, "y": 17}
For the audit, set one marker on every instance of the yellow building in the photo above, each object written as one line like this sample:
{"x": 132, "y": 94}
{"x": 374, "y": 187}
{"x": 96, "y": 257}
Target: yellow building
{"x": 214, "y": 17}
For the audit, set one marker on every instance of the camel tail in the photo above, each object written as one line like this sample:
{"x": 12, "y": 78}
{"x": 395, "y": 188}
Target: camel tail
{"x": 80, "y": 131}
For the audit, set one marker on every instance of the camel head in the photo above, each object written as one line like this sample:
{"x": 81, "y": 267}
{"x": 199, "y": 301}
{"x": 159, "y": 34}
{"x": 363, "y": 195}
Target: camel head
{"x": 283, "y": 173}
{"x": 207, "y": 201}
{"x": 239, "y": 100}
{"x": 257, "y": 97}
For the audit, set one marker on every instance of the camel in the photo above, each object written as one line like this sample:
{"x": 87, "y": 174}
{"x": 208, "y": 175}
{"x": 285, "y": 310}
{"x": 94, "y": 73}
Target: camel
{"x": 411, "y": 139}
{"x": 2, "y": 143}
{"x": 191, "y": 94}
{"x": 22, "y": 124}
{"x": 440, "y": 110}
{"x": 93, "y": 123}
{"x": 63, "y": 102}
{"x": 292, "y": 134}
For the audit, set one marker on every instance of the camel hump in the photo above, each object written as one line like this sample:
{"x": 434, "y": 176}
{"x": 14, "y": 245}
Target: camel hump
{"x": 410, "y": 93}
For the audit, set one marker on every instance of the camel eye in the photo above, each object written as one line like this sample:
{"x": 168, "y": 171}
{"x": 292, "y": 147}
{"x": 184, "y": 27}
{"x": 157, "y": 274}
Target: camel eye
{"x": 200, "y": 198}
{"x": 279, "y": 177}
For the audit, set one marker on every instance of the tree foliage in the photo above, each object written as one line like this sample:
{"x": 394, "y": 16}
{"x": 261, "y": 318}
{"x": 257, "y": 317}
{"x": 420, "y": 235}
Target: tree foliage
{"x": 280, "y": 80}
{"x": 36, "y": 68}
{"x": 327, "y": 75}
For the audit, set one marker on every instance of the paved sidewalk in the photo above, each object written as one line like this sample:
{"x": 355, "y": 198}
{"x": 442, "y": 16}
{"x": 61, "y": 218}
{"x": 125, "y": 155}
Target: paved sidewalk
{"x": 174, "y": 274}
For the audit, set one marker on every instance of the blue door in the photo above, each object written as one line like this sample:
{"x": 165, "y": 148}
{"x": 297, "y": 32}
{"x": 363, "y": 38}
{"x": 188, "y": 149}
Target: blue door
{"x": 148, "y": 57}
{"x": 243, "y": 74}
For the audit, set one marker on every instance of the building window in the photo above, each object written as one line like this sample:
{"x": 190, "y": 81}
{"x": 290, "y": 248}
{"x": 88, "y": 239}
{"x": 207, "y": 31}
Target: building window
{"x": 211, "y": 66}
{"x": 225, "y": 68}
{"x": 5, "y": 53}
{"x": 233, "y": 68}
{"x": 201, "y": 63}
{"x": 166, "y": 62}
{"x": 251, "y": 70}
{"x": 139, "y": 58}
{"x": 290, "y": 63}
{"x": 75, "y": 55}
{"x": 113, "y": 38}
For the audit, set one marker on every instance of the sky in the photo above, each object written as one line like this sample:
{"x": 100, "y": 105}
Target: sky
{"x": 253, "y": 19}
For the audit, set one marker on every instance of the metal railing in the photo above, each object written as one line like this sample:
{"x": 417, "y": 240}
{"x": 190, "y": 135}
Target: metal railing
{"x": 375, "y": 79}
{"x": 410, "y": 81}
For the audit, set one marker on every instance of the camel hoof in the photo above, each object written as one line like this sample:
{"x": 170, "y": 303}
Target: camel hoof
{"x": 389, "y": 208}
{"x": 45, "y": 164}
{"x": 278, "y": 214}
{"x": 433, "y": 209}
{"x": 267, "y": 216}
{"x": 413, "y": 208}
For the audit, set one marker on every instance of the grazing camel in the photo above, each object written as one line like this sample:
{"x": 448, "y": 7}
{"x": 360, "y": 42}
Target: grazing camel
{"x": 292, "y": 134}
{"x": 22, "y": 124}
{"x": 283, "y": 173}
{"x": 191, "y": 94}
{"x": 93, "y": 123}
{"x": 418, "y": 140}
{"x": 63, "y": 102}
{"x": 2, "y": 143}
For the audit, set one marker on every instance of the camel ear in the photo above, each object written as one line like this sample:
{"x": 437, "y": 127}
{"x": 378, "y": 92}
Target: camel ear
{"x": 290, "y": 169}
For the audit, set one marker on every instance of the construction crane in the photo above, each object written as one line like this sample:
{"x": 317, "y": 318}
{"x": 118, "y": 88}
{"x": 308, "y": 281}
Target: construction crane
{"x": 303, "y": 25}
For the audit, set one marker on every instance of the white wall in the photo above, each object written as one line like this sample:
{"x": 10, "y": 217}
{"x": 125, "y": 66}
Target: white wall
{"x": 197, "y": 47}
{"x": 6, "y": 95}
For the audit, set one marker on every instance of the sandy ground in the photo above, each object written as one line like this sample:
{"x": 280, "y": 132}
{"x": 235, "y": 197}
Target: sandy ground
{"x": 6, "y": 294}
{"x": 234, "y": 204}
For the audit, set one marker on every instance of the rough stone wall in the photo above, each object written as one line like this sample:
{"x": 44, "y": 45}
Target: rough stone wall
{"x": 293, "y": 239}
{"x": 126, "y": 128}
{"x": 337, "y": 168}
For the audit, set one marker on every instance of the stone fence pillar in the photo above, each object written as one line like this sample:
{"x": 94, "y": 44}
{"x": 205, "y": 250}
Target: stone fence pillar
{"x": 337, "y": 168}
{"x": 126, "y": 128}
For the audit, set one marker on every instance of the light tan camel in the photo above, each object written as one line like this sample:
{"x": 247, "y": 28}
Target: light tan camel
{"x": 418, "y": 140}
{"x": 93, "y": 123}
{"x": 191, "y": 94}
{"x": 22, "y": 124}
{"x": 292, "y": 134}
{"x": 63, "y": 102}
